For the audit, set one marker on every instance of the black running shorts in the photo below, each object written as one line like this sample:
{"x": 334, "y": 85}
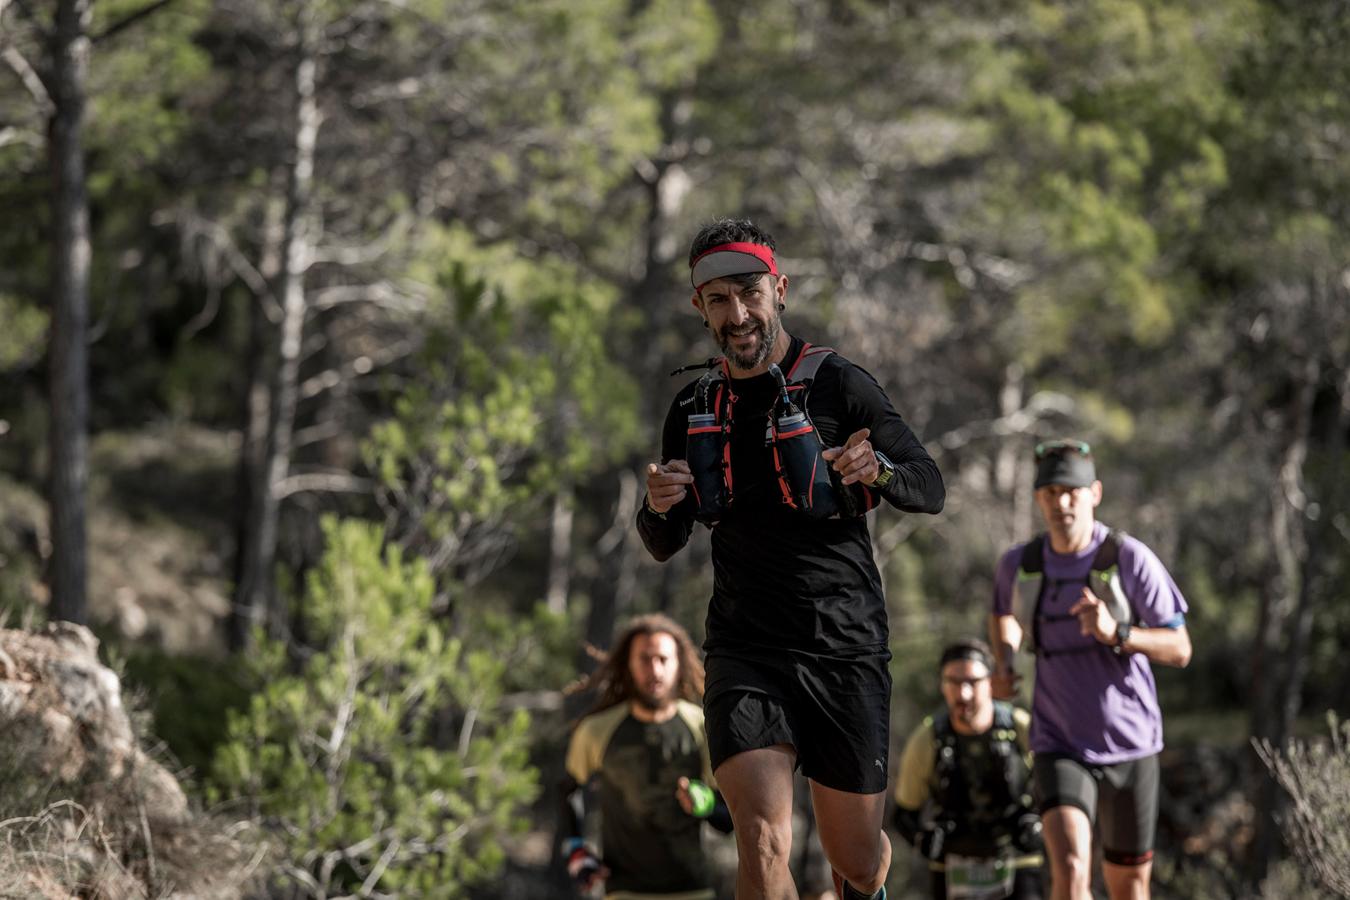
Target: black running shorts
{"x": 834, "y": 712}
{"x": 1126, "y": 794}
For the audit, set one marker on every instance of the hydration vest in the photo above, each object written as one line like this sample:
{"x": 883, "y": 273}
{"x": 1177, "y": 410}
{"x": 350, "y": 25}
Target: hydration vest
{"x": 714, "y": 393}
{"x": 980, "y": 805}
{"x": 1103, "y": 580}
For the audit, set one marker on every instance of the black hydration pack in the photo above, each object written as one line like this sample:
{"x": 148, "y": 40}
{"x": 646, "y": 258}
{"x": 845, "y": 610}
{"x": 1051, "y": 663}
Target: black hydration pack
{"x": 805, "y": 479}
{"x": 1103, "y": 580}
{"x": 980, "y": 803}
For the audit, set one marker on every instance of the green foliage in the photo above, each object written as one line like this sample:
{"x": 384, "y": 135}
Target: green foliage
{"x": 189, "y": 700}
{"x": 21, "y": 339}
{"x": 517, "y": 396}
{"x": 538, "y": 649}
{"x": 384, "y": 759}
{"x": 136, "y": 112}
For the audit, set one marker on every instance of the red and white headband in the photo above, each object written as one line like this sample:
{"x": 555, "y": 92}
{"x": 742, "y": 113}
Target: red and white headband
{"x": 740, "y": 258}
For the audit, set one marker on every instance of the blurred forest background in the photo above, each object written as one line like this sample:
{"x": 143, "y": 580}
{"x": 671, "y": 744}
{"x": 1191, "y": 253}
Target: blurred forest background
{"x": 334, "y": 335}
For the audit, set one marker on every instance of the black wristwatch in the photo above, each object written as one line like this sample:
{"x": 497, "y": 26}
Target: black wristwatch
{"x": 1122, "y": 635}
{"x": 885, "y": 471}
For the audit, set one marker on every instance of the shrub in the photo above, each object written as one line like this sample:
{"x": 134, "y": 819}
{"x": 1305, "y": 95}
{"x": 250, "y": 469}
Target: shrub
{"x": 1316, "y": 776}
{"x": 379, "y": 759}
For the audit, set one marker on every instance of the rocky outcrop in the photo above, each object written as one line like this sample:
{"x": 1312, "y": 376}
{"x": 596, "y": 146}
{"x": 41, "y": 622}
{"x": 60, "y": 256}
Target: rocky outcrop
{"x": 84, "y": 811}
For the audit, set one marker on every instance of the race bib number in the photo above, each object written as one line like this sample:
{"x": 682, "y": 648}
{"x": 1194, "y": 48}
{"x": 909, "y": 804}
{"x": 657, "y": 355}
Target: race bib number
{"x": 978, "y": 878}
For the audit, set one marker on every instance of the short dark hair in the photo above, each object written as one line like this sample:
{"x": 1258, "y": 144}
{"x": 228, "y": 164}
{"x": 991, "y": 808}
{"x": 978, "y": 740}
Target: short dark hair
{"x": 728, "y": 231}
{"x": 972, "y": 649}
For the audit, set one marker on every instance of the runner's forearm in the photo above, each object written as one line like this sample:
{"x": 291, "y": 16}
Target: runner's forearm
{"x": 917, "y": 486}
{"x": 1005, "y": 636}
{"x": 1164, "y": 646}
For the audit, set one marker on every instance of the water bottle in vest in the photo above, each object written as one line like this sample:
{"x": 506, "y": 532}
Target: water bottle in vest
{"x": 803, "y": 474}
{"x": 703, "y": 452}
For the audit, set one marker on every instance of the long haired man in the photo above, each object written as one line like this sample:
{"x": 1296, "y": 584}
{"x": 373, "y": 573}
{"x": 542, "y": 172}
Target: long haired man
{"x": 644, "y": 751}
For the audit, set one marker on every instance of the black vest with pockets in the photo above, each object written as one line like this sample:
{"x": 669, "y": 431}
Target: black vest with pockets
{"x": 979, "y": 798}
{"x": 1103, "y": 580}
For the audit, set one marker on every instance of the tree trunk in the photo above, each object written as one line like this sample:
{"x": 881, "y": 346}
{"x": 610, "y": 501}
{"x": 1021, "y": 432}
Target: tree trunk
{"x": 1286, "y": 592}
{"x": 560, "y": 553}
{"x": 612, "y": 594}
{"x": 254, "y": 592}
{"x": 69, "y": 355}
{"x": 255, "y": 414}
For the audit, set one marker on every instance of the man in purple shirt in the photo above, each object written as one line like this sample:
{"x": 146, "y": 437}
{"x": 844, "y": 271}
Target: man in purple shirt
{"x": 1095, "y": 607}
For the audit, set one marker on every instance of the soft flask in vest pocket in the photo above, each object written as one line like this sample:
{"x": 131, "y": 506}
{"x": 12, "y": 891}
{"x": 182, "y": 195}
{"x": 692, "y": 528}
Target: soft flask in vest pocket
{"x": 803, "y": 473}
{"x": 703, "y": 453}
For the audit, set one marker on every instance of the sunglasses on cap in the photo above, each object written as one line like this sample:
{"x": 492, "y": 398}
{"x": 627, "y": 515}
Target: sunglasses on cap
{"x": 1046, "y": 448}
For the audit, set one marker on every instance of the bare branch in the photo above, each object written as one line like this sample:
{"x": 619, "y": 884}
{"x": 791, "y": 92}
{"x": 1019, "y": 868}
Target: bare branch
{"x": 323, "y": 482}
{"x": 131, "y": 19}
{"x": 381, "y": 864}
{"x": 31, "y": 80}
{"x": 624, "y": 510}
{"x": 220, "y": 240}
{"x": 1041, "y": 404}
{"x": 361, "y": 365}
{"x": 365, "y": 254}
{"x": 381, "y": 293}
{"x": 321, "y": 431}
{"x": 12, "y": 135}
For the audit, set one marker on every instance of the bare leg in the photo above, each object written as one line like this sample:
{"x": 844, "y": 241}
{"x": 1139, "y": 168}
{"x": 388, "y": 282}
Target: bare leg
{"x": 757, "y": 785}
{"x": 850, "y": 833}
{"x": 1068, "y": 844}
{"x": 1128, "y": 882}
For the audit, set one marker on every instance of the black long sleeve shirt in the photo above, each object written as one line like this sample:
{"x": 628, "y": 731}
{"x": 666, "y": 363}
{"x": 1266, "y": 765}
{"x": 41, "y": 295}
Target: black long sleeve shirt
{"x": 780, "y": 579}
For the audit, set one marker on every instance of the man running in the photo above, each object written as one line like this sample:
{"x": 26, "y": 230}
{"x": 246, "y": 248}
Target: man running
{"x": 963, "y": 798}
{"x": 797, "y": 635}
{"x": 644, "y": 749}
{"x": 1096, "y": 607}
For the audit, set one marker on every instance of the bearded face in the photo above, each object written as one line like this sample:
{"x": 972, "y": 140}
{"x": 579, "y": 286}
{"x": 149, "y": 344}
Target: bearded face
{"x": 654, "y": 668}
{"x": 742, "y": 312}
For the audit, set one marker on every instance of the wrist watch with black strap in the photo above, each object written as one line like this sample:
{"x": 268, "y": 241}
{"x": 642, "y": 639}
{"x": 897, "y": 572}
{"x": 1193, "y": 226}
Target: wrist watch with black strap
{"x": 885, "y": 471}
{"x": 1122, "y": 635}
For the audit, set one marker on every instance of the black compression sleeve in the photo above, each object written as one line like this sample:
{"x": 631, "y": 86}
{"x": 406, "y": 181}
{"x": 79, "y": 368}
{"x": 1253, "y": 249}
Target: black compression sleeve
{"x": 720, "y": 817}
{"x": 917, "y": 485}
{"x": 664, "y": 536}
{"x": 572, "y": 808}
{"x": 906, "y": 822}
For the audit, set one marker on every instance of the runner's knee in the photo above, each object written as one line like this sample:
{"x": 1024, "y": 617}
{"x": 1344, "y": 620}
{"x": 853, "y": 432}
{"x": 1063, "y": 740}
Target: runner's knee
{"x": 1073, "y": 867}
{"x": 858, "y": 862}
{"x": 763, "y": 846}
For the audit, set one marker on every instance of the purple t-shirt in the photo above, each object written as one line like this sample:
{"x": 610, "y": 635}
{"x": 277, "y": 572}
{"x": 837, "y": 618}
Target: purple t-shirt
{"x": 1090, "y": 703}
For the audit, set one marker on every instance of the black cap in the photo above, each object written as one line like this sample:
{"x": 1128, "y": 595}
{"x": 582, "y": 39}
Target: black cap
{"x": 1067, "y": 463}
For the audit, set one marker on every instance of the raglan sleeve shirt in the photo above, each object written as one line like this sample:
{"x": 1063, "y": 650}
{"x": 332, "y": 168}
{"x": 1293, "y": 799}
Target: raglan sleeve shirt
{"x": 1152, "y": 592}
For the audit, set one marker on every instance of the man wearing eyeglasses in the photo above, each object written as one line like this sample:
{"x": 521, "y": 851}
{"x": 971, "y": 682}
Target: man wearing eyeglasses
{"x": 1097, "y": 608}
{"x": 963, "y": 797}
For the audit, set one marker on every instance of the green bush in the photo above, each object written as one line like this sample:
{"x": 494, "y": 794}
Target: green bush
{"x": 380, "y": 759}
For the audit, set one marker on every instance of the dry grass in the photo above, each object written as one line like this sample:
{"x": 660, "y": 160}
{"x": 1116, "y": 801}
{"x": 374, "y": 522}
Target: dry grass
{"x": 108, "y": 835}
